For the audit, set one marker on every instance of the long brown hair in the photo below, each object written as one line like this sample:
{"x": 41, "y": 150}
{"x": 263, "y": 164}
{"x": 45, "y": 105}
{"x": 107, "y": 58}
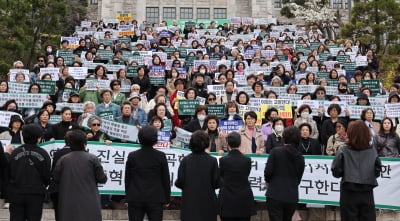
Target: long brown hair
{"x": 359, "y": 135}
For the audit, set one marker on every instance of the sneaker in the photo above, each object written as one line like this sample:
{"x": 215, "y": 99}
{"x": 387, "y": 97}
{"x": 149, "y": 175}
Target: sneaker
{"x": 6, "y": 205}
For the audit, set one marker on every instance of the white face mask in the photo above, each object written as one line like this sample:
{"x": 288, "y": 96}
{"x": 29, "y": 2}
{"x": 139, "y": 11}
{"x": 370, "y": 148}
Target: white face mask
{"x": 201, "y": 117}
{"x": 49, "y": 50}
{"x": 203, "y": 71}
{"x": 174, "y": 74}
{"x": 305, "y": 115}
{"x": 278, "y": 128}
{"x": 232, "y": 113}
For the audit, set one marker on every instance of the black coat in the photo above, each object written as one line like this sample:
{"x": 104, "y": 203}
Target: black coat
{"x": 58, "y": 130}
{"x": 194, "y": 125}
{"x": 198, "y": 177}
{"x": 25, "y": 178}
{"x": 284, "y": 170}
{"x": 272, "y": 142}
{"x": 147, "y": 176}
{"x": 310, "y": 146}
{"x": 235, "y": 195}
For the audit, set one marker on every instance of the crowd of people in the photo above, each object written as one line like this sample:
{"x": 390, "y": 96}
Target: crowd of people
{"x": 162, "y": 65}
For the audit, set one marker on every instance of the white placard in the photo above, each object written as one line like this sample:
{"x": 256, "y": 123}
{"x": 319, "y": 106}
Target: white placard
{"x": 14, "y": 72}
{"x": 355, "y": 111}
{"x": 5, "y": 117}
{"x": 14, "y": 87}
{"x": 54, "y": 72}
{"x": 24, "y": 100}
{"x": 116, "y": 129}
{"x": 361, "y": 61}
{"x": 78, "y": 72}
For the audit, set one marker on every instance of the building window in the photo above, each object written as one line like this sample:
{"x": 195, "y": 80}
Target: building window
{"x": 186, "y": 13}
{"x": 277, "y": 4}
{"x": 220, "y": 13}
{"x": 94, "y": 2}
{"x": 152, "y": 14}
{"x": 169, "y": 13}
{"x": 337, "y": 4}
{"x": 203, "y": 13}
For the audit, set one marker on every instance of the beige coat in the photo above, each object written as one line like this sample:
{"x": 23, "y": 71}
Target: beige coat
{"x": 245, "y": 146}
{"x": 333, "y": 144}
{"x": 220, "y": 142}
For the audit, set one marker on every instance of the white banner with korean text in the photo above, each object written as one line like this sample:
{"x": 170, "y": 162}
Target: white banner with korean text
{"x": 317, "y": 186}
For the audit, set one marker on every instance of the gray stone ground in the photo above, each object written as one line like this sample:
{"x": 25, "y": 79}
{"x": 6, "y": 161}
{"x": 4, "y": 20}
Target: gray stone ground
{"x": 173, "y": 215}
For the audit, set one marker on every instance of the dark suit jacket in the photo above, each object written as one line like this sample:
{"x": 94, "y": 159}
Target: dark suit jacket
{"x": 147, "y": 176}
{"x": 235, "y": 196}
{"x": 284, "y": 170}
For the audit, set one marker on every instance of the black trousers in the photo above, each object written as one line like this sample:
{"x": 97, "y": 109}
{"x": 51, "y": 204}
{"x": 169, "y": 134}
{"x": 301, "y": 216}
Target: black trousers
{"x": 235, "y": 219}
{"x": 26, "y": 207}
{"x": 54, "y": 199}
{"x": 136, "y": 211}
{"x": 280, "y": 211}
{"x": 356, "y": 206}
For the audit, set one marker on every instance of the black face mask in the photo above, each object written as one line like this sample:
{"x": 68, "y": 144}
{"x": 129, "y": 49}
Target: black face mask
{"x": 343, "y": 90}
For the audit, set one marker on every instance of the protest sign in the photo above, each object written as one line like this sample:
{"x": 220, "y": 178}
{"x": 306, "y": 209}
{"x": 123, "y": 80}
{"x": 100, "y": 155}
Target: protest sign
{"x": 216, "y": 109}
{"x": 78, "y": 72}
{"x": 187, "y": 107}
{"x": 163, "y": 139}
{"x": 5, "y": 117}
{"x": 53, "y": 72}
{"x": 317, "y": 185}
{"x": 355, "y": 111}
{"x": 230, "y": 125}
{"x": 24, "y": 73}
{"x": 14, "y": 87}
{"x": 115, "y": 129}
{"x": 183, "y": 136}
{"x": 47, "y": 87}
{"x": 25, "y": 100}
{"x": 157, "y": 75}
{"x": 392, "y": 110}
{"x": 75, "y": 107}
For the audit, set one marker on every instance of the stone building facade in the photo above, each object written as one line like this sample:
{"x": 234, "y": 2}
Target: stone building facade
{"x": 155, "y": 11}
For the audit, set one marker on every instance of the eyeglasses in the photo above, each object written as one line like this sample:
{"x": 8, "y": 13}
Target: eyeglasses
{"x": 177, "y": 63}
{"x": 40, "y": 60}
{"x": 135, "y": 89}
{"x": 292, "y": 89}
{"x": 212, "y": 99}
{"x": 96, "y": 125}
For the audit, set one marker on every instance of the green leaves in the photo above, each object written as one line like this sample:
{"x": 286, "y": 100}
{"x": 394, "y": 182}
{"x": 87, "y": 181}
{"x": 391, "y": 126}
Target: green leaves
{"x": 24, "y": 22}
{"x": 371, "y": 20}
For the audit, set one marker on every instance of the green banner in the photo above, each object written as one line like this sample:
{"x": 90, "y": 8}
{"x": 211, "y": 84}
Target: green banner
{"x": 216, "y": 109}
{"x": 68, "y": 56}
{"x": 47, "y": 87}
{"x": 374, "y": 85}
{"x": 105, "y": 54}
{"x": 187, "y": 107}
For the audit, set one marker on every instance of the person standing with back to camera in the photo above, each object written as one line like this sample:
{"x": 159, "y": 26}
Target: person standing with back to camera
{"x": 358, "y": 164}
{"x": 147, "y": 180}
{"x": 283, "y": 173}
{"x": 236, "y": 200}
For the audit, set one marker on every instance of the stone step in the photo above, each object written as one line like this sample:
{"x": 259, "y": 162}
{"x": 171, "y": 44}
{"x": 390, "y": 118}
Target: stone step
{"x": 312, "y": 214}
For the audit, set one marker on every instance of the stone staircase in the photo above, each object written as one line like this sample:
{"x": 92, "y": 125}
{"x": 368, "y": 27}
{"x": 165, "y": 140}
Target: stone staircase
{"x": 312, "y": 214}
